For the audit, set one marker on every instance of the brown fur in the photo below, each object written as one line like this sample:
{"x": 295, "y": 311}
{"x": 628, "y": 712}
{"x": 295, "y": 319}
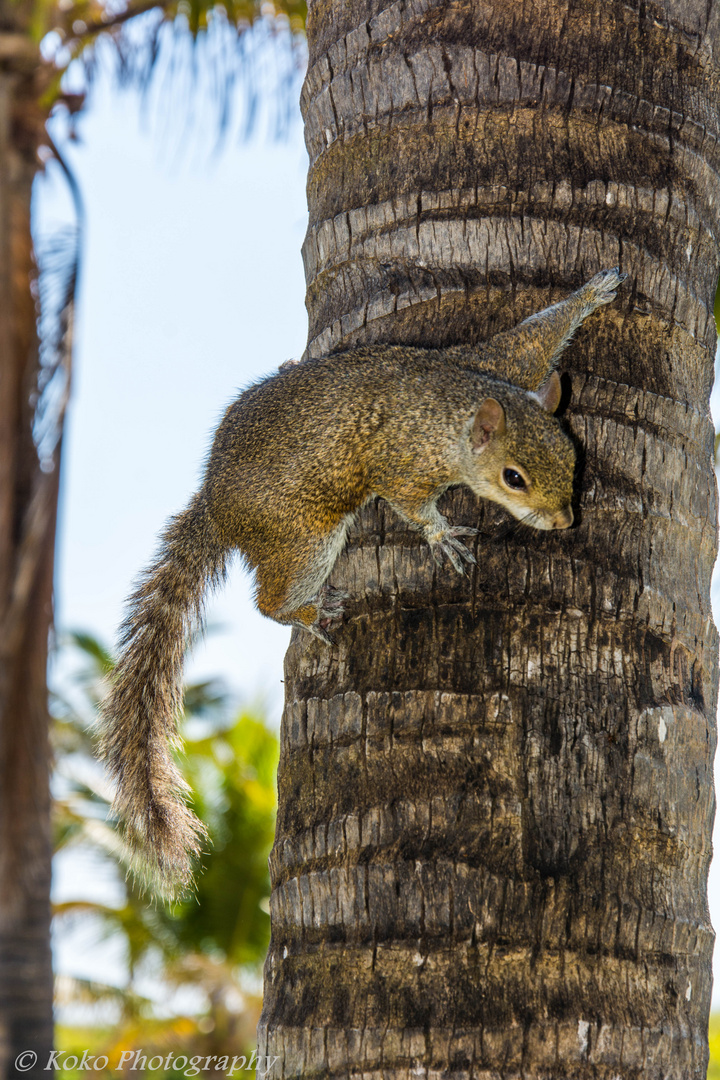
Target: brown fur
{"x": 292, "y": 461}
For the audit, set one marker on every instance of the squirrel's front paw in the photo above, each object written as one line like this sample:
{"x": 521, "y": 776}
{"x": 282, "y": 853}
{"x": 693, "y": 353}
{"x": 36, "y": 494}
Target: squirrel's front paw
{"x": 602, "y": 288}
{"x": 447, "y": 545}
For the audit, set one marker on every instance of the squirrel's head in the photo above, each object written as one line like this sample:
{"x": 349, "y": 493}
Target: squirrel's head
{"x": 520, "y": 457}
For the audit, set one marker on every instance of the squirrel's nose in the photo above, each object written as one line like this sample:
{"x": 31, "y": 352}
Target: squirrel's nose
{"x": 563, "y": 519}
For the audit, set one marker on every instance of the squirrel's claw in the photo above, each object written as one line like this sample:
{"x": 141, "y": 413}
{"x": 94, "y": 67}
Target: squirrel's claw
{"x": 447, "y": 545}
{"x": 318, "y": 631}
{"x": 463, "y": 530}
{"x": 330, "y": 603}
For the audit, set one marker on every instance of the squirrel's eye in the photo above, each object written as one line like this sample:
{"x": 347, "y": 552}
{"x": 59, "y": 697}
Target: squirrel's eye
{"x": 513, "y": 479}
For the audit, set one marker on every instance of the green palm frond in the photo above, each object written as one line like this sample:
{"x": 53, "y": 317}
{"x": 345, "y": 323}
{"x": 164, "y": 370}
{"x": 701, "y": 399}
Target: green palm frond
{"x": 79, "y": 22}
{"x": 71, "y": 989}
{"x": 137, "y": 31}
{"x": 206, "y": 941}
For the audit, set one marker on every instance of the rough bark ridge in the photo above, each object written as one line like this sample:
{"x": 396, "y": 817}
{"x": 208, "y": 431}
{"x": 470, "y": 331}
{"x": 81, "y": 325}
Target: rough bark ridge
{"x": 496, "y": 794}
{"x": 28, "y": 500}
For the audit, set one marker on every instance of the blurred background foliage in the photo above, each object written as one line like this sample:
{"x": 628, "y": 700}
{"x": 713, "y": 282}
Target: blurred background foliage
{"x": 192, "y": 970}
{"x": 69, "y": 29}
{"x": 713, "y": 1072}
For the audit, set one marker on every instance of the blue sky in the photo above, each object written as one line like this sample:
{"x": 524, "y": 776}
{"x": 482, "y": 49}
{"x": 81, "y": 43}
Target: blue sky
{"x": 192, "y": 286}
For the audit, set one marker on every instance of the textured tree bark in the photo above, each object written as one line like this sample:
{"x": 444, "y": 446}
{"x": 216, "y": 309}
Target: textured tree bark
{"x": 28, "y": 500}
{"x": 496, "y": 794}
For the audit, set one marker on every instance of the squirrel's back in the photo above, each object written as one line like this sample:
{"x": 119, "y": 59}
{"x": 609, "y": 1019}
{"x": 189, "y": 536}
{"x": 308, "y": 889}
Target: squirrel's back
{"x": 318, "y": 438}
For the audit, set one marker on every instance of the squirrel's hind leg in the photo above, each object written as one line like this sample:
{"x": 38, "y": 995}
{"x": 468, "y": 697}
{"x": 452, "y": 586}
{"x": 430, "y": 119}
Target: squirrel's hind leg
{"x": 293, "y": 588}
{"x": 528, "y": 354}
{"x": 322, "y": 614}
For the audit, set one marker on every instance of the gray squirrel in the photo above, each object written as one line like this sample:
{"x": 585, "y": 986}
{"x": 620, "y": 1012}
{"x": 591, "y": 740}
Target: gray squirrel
{"x": 293, "y": 460}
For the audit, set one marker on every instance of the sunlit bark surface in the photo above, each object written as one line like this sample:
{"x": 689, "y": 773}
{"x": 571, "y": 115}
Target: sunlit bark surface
{"x": 27, "y": 525}
{"x": 496, "y": 794}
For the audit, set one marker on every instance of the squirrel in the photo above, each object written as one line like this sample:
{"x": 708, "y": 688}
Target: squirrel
{"x": 292, "y": 461}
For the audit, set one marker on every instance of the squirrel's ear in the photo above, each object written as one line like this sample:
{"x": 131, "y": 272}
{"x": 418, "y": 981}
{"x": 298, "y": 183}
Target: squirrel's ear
{"x": 489, "y": 421}
{"x": 548, "y": 395}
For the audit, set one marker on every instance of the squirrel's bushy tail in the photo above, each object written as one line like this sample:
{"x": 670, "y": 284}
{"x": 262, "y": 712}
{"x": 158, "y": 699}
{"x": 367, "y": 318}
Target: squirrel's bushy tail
{"x": 139, "y": 716}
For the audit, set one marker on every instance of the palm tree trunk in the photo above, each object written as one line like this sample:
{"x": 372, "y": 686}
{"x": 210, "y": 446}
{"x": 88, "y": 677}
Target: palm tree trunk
{"x": 496, "y": 795}
{"x": 28, "y": 500}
